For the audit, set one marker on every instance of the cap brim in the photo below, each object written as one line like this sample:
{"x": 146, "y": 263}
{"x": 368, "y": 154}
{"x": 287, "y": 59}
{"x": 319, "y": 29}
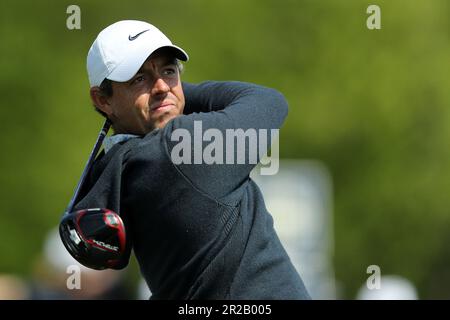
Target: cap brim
{"x": 130, "y": 66}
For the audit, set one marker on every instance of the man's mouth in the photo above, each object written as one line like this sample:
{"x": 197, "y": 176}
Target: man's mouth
{"x": 163, "y": 106}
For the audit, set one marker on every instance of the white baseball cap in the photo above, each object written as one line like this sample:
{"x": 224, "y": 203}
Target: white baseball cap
{"x": 121, "y": 48}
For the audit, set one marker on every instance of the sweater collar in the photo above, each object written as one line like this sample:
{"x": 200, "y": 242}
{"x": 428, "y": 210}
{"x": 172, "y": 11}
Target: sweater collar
{"x": 110, "y": 141}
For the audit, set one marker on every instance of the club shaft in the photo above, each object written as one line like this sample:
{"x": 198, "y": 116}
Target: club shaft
{"x": 98, "y": 143}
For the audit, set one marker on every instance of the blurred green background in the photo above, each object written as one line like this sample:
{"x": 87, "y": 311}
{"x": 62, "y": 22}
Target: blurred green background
{"x": 372, "y": 105}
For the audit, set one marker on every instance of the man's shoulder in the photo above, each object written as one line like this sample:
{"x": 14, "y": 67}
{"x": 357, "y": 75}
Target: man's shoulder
{"x": 147, "y": 150}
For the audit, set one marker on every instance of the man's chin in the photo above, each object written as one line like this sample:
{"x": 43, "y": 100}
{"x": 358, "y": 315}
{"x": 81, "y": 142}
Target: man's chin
{"x": 163, "y": 122}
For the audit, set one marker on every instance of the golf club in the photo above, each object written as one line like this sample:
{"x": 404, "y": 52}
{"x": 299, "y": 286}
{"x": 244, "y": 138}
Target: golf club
{"x": 95, "y": 237}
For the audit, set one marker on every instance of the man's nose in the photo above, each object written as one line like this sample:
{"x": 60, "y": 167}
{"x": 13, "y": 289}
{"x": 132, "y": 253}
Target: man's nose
{"x": 160, "y": 86}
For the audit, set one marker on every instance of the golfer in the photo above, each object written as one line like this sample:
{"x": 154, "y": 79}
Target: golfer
{"x": 195, "y": 220}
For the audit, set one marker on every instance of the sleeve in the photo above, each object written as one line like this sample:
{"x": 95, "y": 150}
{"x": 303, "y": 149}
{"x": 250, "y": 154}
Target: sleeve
{"x": 224, "y": 132}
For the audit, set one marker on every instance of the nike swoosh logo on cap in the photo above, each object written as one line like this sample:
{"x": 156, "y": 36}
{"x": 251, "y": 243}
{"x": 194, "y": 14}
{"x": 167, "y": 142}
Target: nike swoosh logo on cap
{"x": 131, "y": 38}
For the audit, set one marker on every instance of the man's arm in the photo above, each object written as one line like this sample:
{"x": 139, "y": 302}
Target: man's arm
{"x": 214, "y": 112}
{"x": 217, "y": 95}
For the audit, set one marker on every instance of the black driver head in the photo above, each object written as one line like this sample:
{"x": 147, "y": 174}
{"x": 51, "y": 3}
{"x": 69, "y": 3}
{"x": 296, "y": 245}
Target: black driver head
{"x": 95, "y": 237}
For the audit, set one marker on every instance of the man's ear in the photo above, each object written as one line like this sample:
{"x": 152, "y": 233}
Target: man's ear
{"x": 100, "y": 100}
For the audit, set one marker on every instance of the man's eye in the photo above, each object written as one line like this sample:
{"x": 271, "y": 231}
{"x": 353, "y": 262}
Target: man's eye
{"x": 138, "y": 79}
{"x": 169, "y": 71}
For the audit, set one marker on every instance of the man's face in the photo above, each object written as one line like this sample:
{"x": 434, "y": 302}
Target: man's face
{"x": 150, "y": 99}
